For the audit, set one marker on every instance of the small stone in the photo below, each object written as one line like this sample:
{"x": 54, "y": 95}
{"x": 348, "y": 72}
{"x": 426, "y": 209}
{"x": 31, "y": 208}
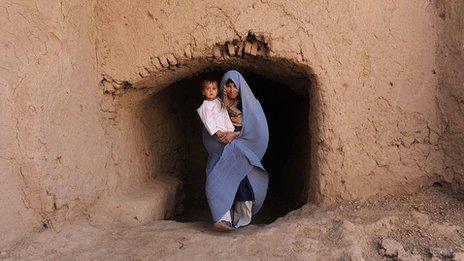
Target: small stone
{"x": 2, "y": 253}
{"x": 164, "y": 61}
{"x": 459, "y": 256}
{"x": 392, "y": 247}
{"x": 231, "y": 48}
{"x": 441, "y": 252}
{"x": 404, "y": 256}
{"x": 171, "y": 59}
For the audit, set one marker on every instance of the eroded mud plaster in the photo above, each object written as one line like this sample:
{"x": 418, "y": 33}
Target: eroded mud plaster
{"x": 75, "y": 76}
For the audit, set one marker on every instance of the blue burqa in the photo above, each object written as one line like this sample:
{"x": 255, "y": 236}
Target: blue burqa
{"x": 228, "y": 164}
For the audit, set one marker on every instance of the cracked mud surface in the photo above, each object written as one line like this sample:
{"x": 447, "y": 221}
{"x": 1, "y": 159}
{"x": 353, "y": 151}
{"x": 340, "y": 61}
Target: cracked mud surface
{"x": 426, "y": 223}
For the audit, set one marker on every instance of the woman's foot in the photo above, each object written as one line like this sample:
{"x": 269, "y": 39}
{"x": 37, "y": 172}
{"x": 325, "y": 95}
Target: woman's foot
{"x": 224, "y": 225}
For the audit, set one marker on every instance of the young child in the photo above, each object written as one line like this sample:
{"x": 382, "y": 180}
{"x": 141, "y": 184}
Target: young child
{"x": 213, "y": 115}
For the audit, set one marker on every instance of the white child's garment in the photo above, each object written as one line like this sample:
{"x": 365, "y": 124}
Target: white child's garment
{"x": 215, "y": 117}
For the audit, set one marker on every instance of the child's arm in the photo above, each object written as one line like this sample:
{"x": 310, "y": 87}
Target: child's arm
{"x": 206, "y": 116}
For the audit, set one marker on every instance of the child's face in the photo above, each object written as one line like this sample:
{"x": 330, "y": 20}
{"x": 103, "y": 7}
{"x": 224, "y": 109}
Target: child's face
{"x": 210, "y": 91}
{"x": 231, "y": 90}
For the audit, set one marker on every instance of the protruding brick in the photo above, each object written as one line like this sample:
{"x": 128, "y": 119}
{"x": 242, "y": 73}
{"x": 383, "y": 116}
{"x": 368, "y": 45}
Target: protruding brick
{"x": 117, "y": 84}
{"x": 217, "y": 52}
{"x": 156, "y": 62}
{"x": 240, "y": 49}
{"x": 254, "y": 49}
{"x": 231, "y": 48}
{"x": 188, "y": 52}
{"x": 171, "y": 59}
{"x": 262, "y": 50}
{"x": 164, "y": 61}
{"x": 108, "y": 87}
{"x": 143, "y": 72}
{"x": 247, "y": 48}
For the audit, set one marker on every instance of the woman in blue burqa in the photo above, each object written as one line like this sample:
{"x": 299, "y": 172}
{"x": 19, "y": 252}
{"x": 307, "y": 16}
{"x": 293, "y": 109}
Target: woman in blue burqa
{"x": 236, "y": 182}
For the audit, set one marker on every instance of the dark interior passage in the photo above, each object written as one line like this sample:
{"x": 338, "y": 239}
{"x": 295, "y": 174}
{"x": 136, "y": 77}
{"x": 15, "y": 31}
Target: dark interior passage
{"x": 286, "y": 159}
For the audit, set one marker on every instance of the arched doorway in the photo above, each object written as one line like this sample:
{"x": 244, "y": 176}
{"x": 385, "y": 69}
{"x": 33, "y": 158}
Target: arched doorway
{"x": 287, "y": 160}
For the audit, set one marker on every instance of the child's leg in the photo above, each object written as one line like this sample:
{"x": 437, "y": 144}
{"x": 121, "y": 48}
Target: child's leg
{"x": 225, "y": 223}
{"x": 243, "y": 203}
{"x": 242, "y": 213}
{"x": 227, "y": 217}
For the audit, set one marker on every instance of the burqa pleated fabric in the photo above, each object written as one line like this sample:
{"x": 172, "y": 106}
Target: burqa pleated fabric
{"x": 228, "y": 164}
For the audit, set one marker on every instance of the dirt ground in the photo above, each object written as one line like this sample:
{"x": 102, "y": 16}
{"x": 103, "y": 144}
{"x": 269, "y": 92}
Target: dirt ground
{"x": 428, "y": 225}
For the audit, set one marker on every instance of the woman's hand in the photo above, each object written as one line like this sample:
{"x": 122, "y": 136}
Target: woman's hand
{"x": 235, "y": 119}
{"x": 229, "y": 137}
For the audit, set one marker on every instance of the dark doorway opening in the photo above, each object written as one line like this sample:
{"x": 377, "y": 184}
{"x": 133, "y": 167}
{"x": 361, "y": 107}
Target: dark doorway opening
{"x": 286, "y": 159}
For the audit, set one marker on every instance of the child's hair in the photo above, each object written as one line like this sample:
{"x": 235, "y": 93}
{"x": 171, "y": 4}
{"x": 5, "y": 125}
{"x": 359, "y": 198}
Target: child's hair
{"x": 207, "y": 82}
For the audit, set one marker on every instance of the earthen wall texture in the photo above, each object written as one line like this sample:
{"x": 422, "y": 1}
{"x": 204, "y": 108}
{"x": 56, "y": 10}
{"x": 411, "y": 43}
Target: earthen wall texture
{"x": 387, "y": 104}
{"x": 53, "y": 152}
{"x": 375, "y": 120}
{"x": 450, "y": 98}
